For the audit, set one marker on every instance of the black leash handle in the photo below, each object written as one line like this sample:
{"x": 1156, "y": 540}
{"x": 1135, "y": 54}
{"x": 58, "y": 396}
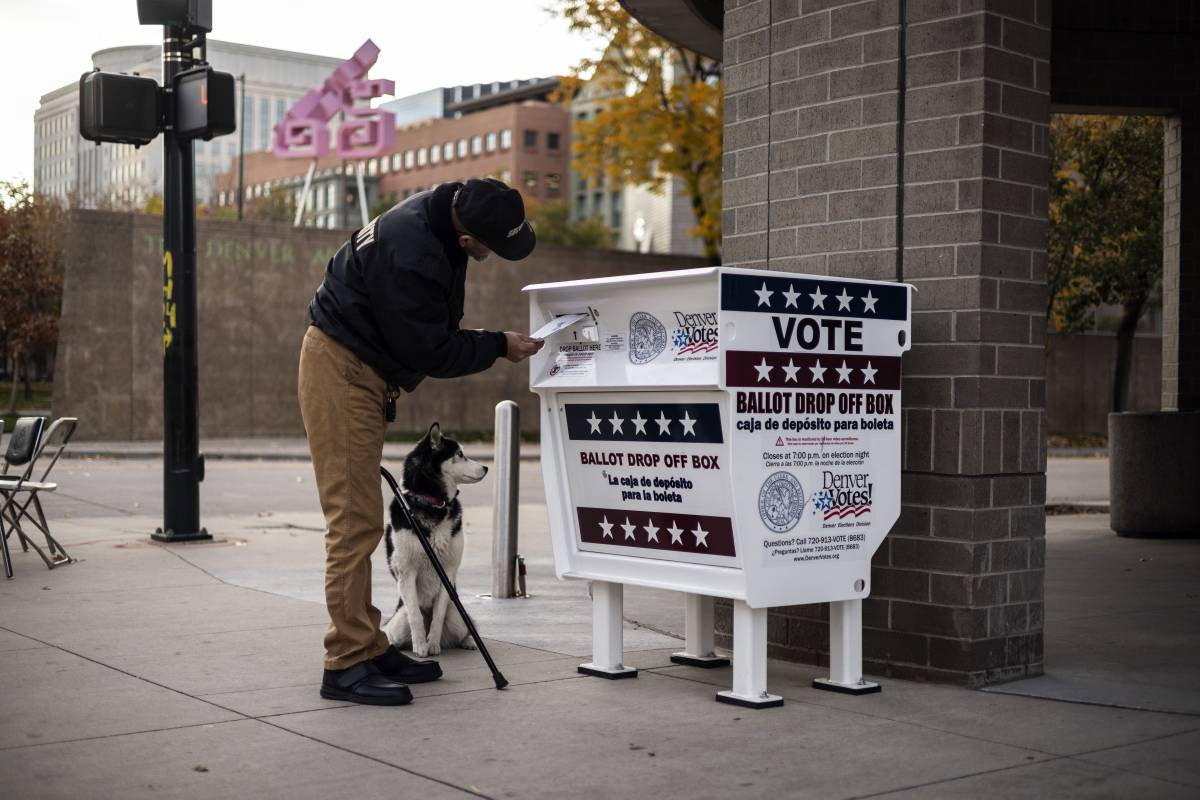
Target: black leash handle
{"x": 500, "y": 680}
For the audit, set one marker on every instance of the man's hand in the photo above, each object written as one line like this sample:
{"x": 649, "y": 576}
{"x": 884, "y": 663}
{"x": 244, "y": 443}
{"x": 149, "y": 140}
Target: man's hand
{"x": 520, "y": 346}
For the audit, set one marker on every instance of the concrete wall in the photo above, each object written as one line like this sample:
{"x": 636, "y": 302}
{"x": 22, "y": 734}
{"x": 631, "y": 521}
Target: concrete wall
{"x": 1079, "y": 374}
{"x": 254, "y": 284}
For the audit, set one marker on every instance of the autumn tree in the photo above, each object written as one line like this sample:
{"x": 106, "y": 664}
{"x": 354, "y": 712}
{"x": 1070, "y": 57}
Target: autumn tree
{"x": 553, "y": 224}
{"x": 31, "y": 270}
{"x": 659, "y": 113}
{"x": 1106, "y": 211}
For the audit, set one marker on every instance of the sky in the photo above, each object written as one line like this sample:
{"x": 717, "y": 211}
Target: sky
{"x": 45, "y": 44}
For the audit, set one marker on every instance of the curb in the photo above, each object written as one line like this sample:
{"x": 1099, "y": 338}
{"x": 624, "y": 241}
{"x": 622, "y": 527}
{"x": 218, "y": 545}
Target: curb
{"x": 1077, "y": 452}
{"x": 1076, "y": 507}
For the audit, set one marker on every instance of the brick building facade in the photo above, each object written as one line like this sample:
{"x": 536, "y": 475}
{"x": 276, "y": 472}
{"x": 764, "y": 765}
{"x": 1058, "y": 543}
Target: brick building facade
{"x": 908, "y": 140}
{"x": 526, "y": 145}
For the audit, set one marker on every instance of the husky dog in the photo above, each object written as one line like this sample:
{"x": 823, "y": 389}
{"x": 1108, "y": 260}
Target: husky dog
{"x": 432, "y": 473}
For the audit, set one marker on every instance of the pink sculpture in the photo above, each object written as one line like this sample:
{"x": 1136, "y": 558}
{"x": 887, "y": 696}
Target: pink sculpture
{"x": 365, "y": 133}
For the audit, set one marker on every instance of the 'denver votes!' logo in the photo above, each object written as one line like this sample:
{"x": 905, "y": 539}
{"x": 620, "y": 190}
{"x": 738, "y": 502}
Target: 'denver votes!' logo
{"x": 697, "y": 333}
{"x": 780, "y": 501}
{"x": 647, "y": 338}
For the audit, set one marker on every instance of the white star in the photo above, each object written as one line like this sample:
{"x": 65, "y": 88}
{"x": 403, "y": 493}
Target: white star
{"x": 616, "y": 423}
{"x": 764, "y": 371}
{"x": 639, "y": 424}
{"x": 818, "y": 299}
{"x": 791, "y": 369}
{"x": 594, "y": 422}
{"x": 818, "y": 372}
{"x": 701, "y": 536}
{"x": 764, "y": 295}
{"x": 629, "y": 529}
{"x": 689, "y": 424}
{"x": 791, "y": 294}
{"x": 607, "y": 526}
{"x": 869, "y": 303}
{"x": 868, "y": 373}
{"x": 843, "y": 300}
{"x": 676, "y": 533}
{"x": 664, "y": 424}
{"x": 651, "y": 532}
{"x": 843, "y": 373}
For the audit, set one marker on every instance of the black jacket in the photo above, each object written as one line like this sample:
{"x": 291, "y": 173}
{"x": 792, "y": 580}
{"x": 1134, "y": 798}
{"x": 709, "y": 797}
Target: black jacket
{"x": 394, "y": 296}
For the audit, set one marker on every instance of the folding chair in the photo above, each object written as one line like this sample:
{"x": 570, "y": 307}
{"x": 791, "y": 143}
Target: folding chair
{"x": 4, "y": 556}
{"x": 26, "y": 450}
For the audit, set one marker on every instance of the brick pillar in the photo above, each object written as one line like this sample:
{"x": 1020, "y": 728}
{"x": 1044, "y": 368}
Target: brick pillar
{"x": 1181, "y": 264}
{"x": 811, "y": 134}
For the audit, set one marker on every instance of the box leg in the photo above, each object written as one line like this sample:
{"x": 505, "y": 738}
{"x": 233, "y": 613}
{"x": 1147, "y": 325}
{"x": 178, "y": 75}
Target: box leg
{"x": 845, "y": 651}
{"x": 749, "y": 660}
{"x": 607, "y": 645}
{"x": 698, "y": 632}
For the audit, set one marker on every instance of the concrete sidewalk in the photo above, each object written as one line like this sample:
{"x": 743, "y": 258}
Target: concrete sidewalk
{"x": 192, "y": 672}
{"x": 259, "y": 449}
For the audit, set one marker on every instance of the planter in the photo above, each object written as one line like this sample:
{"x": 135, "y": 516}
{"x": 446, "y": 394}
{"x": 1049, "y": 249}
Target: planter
{"x": 1154, "y": 472}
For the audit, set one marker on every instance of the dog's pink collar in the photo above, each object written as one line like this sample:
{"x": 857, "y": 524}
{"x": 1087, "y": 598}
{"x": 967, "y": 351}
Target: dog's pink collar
{"x": 429, "y": 500}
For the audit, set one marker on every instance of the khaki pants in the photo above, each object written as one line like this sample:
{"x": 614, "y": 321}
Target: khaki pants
{"x": 342, "y": 402}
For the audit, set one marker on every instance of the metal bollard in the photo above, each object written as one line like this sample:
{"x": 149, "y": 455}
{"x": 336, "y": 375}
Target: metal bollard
{"x": 505, "y": 498}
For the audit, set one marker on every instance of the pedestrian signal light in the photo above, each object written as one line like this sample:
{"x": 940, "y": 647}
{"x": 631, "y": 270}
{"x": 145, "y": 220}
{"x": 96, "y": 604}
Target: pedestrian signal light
{"x": 118, "y": 108}
{"x": 204, "y": 105}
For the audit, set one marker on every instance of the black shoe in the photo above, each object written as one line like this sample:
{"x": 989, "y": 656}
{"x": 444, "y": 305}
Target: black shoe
{"x": 364, "y": 683}
{"x": 403, "y": 669}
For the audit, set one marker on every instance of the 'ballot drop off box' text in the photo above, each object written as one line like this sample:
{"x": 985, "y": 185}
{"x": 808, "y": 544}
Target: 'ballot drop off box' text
{"x": 723, "y": 433}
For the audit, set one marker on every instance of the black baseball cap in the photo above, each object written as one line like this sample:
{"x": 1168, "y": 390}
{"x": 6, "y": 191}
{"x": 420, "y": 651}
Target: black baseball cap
{"x": 494, "y": 213}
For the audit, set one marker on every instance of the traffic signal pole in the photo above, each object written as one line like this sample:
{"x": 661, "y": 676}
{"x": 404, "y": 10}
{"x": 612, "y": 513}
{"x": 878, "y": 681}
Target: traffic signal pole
{"x": 183, "y": 464}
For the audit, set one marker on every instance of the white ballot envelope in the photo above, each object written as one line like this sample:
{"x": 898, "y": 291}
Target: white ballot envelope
{"x": 559, "y": 324}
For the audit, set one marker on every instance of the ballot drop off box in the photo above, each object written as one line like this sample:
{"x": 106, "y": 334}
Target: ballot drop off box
{"x": 723, "y": 432}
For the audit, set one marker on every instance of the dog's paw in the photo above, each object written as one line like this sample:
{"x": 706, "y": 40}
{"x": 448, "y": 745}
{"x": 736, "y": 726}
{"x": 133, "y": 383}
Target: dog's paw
{"x": 468, "y": 644}
{"x": 434, "y": 648}
{"x": 421, "y": 650}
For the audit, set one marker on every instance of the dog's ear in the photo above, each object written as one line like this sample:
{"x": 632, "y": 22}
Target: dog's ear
{"x": 435, "y": 436}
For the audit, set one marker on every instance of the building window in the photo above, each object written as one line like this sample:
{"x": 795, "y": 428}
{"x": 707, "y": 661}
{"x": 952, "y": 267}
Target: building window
{"x": 553, "y": 184}
{"x": 614, "y": 205}
{"x": 598, "y": 204}
{"x": 580, "y": 206}
{"x": 476, "y": 145}
{"x": 264, "y": 123}
{"x": 505, "y": 139}
{"x": 448, "y": 151}
{"x": 553, "y": 141}
{"x": 506, "y": 177}
{"x": 435, "y": 154}
{"x": 422, "y": 155}
{"x": 383, "y": 165}
{"x": 530, "y": 139}
{"x": 491, "y": 142}
{"x": 370, "y": 167}
{"x": 395, "y": 162}
{"x": 462, "y": 148}
{"x": 530, "y": 182}
{"x": 409, "y": 159}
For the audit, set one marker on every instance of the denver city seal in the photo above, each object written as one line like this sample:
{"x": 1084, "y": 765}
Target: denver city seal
{"x": 647, "y": 338}
{"x": 780, "y": 501}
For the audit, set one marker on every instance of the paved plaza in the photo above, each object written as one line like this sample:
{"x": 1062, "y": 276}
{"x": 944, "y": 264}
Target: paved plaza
{"x": 191, "y": 671}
